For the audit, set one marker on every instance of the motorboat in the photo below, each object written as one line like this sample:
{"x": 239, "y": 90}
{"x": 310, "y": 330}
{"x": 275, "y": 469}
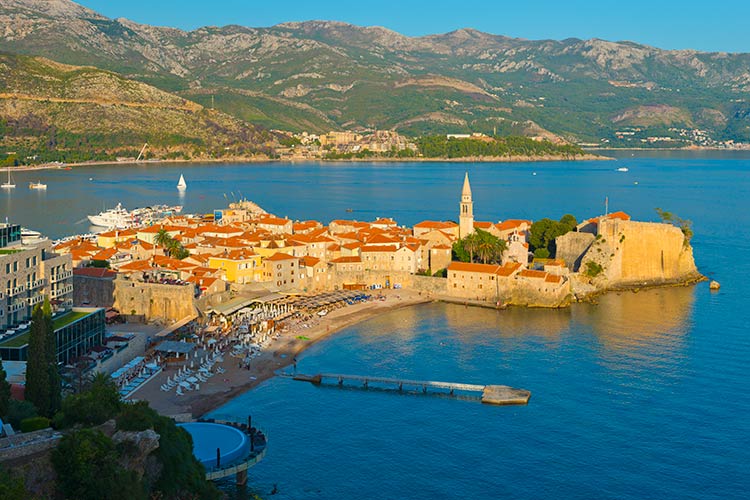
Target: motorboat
{"x": 623, "y": 169}
{"x": 37, "y": 185}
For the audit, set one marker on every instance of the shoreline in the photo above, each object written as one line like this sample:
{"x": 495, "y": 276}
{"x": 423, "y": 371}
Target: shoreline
{"x": 239, "y": 160}
{"x": 279, "y": 355}
{"x": 282, "y": 352}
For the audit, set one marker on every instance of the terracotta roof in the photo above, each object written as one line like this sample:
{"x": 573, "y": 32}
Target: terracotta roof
{"x": 378, "y": 248}
{"x": 510, "y": 224}
{"x": 551, "y": 278}
{"x": 94, "y": 272}
{"x": 470, "y": 267}
{"x": 346, "y": 260}
{"x": 281, "y": 256}
{"x": 274, "y": 221}
{"x": 508, "y": 269}
{"x": 530, "y": 273}
{"x": 310, "y": 261}
{"x": 482, "y": 225}
{"x": 432, "y": 224}
{"x": 105, "y": 254}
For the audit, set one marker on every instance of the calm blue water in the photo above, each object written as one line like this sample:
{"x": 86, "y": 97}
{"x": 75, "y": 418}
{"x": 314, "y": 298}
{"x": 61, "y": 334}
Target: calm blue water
{"x": 642, "y": 396}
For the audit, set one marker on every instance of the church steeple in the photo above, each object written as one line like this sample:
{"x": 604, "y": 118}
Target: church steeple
{"x": 466, "y": 210}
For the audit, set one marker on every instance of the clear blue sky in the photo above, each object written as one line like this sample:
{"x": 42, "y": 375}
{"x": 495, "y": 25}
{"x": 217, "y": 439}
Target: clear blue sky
{"x": 721, "y": 25}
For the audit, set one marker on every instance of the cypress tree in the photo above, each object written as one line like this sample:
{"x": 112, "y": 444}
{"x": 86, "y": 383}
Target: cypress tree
{"x": 55, "y": 389}
{"x": 4, "y": 392}
{"x": 37, "y": 373}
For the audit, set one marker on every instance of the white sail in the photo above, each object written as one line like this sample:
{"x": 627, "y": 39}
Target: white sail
{"x": 182, "y": 184}
{"x": 10, "y": 184}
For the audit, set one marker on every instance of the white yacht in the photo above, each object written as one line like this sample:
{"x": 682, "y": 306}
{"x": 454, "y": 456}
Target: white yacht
{"x": 622, "y": 169}
{"x": 37, "y": 185}
{"x": 115, "y": 218}
{"x": 30, "y": 237}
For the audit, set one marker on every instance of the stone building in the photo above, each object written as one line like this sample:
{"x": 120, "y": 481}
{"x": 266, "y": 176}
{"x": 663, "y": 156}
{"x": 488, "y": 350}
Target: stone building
{"x": 466, "y": 210}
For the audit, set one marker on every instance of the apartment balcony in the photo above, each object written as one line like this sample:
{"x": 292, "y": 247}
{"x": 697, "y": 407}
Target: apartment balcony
{"x": 12, "y": 292}
{"x": 33, "y": 285}
{"x": 36, "y": 299}
{"x": 16, "y": 306}
{"x": 62, "y": 275}
{"x": 63, "y": 290}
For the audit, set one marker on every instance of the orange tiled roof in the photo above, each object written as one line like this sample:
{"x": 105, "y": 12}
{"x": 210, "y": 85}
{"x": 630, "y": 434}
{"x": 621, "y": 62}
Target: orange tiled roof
{"x": 530, "y": 273}
{"x": 310, "y": 261}
{"x": 510, "y": 224}
{"x": 432, "y": 224}
{"x": 346, "y": 260}
{"x": 281, "y": 256}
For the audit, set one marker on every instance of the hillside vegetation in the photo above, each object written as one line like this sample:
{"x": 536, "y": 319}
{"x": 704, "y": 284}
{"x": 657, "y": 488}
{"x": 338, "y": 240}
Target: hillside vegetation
{"x": 322, "y": 75}
{"x": 68, "y": 113}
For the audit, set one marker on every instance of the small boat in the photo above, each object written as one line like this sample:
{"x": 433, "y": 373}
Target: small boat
{"x": 37, "y": 185}
{"x": 323, "y": 312}
{"x": 10, "y": 184}
{"x": 350, "y": 210}
{"x": 182, "y": 185}
{"x": 623, "y": 169}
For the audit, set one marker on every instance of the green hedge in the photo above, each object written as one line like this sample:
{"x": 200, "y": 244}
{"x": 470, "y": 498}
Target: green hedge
{"x": 34, "y": 424}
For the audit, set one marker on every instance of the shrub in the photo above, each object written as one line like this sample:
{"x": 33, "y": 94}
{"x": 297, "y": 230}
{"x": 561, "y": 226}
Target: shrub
{"x": 136, "y": 417}
{"x": 34, "y": 424}
{"x": 19, "y": 411}
{"x": 593, "y": 269}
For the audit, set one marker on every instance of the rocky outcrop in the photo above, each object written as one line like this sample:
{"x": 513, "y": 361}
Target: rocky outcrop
{"x": 629, "y": 253}
{"x": 138, "y": 447}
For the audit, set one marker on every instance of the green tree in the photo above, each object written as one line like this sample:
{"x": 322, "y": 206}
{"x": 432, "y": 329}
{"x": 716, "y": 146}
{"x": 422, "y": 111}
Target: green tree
{"x": 163, "y": 238}
{"x": 87, "y": 467}
{"x": 490, "y": 248}
{"x": 38, "y": 385}
{"x": 92, "y": 407}
{"x": 544, "y": 231}
{"x": 55, "y": 383}
{"x": 12, "y": 487}
{"x": 4, "y": 392}
{"x": 685, "y": 225}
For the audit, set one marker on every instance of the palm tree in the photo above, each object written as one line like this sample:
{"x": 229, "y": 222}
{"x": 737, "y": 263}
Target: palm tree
{"x": 163, "y": 239}
{"x": 471, "y": 244}
{"x": 490, "y": 248}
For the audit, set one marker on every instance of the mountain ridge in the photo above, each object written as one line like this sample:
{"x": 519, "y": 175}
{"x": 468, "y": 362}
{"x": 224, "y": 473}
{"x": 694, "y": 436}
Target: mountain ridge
{"x": 354, "y": 76}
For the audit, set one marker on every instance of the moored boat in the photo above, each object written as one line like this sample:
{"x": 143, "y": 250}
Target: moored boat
{"x": 37, "y": 185}
{"x": 182, "y": 185}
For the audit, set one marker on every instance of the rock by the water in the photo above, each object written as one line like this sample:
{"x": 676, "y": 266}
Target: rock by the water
{"x": 714, "y": 285}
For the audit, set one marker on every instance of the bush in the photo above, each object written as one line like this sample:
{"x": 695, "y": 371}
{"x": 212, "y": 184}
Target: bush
{"x": 86, "y": 463}
{"x": 12, "y": 487}
{"x": 19, "y": 411}
{"x": 441, "y": 273}
{"x": 34, "y": 424}
{"x": 593, "y": 269}
{"x": 541, "y": 253}
{"x": 93, "y": 407}
{"x": 136, "y": 417}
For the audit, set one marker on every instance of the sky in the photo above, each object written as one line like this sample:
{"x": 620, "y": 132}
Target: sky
{"x": 722, "y": 25}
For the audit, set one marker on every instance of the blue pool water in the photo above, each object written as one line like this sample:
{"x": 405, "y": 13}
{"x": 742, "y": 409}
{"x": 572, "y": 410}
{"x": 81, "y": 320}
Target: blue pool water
{"x": 232, "y": 443}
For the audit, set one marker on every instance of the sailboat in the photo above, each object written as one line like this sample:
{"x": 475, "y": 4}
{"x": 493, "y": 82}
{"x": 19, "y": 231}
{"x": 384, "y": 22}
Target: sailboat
{"x": 182, "y": 185}
{"x": 10, "y": 184}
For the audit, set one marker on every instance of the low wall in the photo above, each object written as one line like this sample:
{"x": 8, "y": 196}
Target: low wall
{"x": 154, "y": 301}
{"x": 93, "y": 292}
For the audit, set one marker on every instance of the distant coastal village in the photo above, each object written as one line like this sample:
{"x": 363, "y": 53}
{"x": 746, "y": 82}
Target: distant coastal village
{"x": 187, "y": 311}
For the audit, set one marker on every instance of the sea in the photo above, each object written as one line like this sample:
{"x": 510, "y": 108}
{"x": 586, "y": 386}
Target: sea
{"x": 640, "y": 396}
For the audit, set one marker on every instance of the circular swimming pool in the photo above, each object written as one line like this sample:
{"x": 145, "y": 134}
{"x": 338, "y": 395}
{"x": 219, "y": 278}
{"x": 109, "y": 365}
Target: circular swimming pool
{"x": 207, "y": 437}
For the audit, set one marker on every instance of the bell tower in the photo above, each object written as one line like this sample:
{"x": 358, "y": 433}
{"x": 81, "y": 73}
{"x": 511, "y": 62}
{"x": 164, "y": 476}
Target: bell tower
{"x": 466, "y": 210}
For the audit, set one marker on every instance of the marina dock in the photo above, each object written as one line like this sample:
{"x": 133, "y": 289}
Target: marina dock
{"x": 488, "y": 394}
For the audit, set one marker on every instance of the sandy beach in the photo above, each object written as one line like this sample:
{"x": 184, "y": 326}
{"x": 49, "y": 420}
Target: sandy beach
{"x": 279, "y": 354}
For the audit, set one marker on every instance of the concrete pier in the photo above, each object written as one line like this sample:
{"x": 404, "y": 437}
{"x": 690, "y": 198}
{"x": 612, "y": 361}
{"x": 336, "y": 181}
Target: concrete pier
{"x": 489, "y": 394}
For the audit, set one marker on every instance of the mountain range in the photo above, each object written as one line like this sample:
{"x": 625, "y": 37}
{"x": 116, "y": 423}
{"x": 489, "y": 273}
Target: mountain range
{"x": 322, "y": 75}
